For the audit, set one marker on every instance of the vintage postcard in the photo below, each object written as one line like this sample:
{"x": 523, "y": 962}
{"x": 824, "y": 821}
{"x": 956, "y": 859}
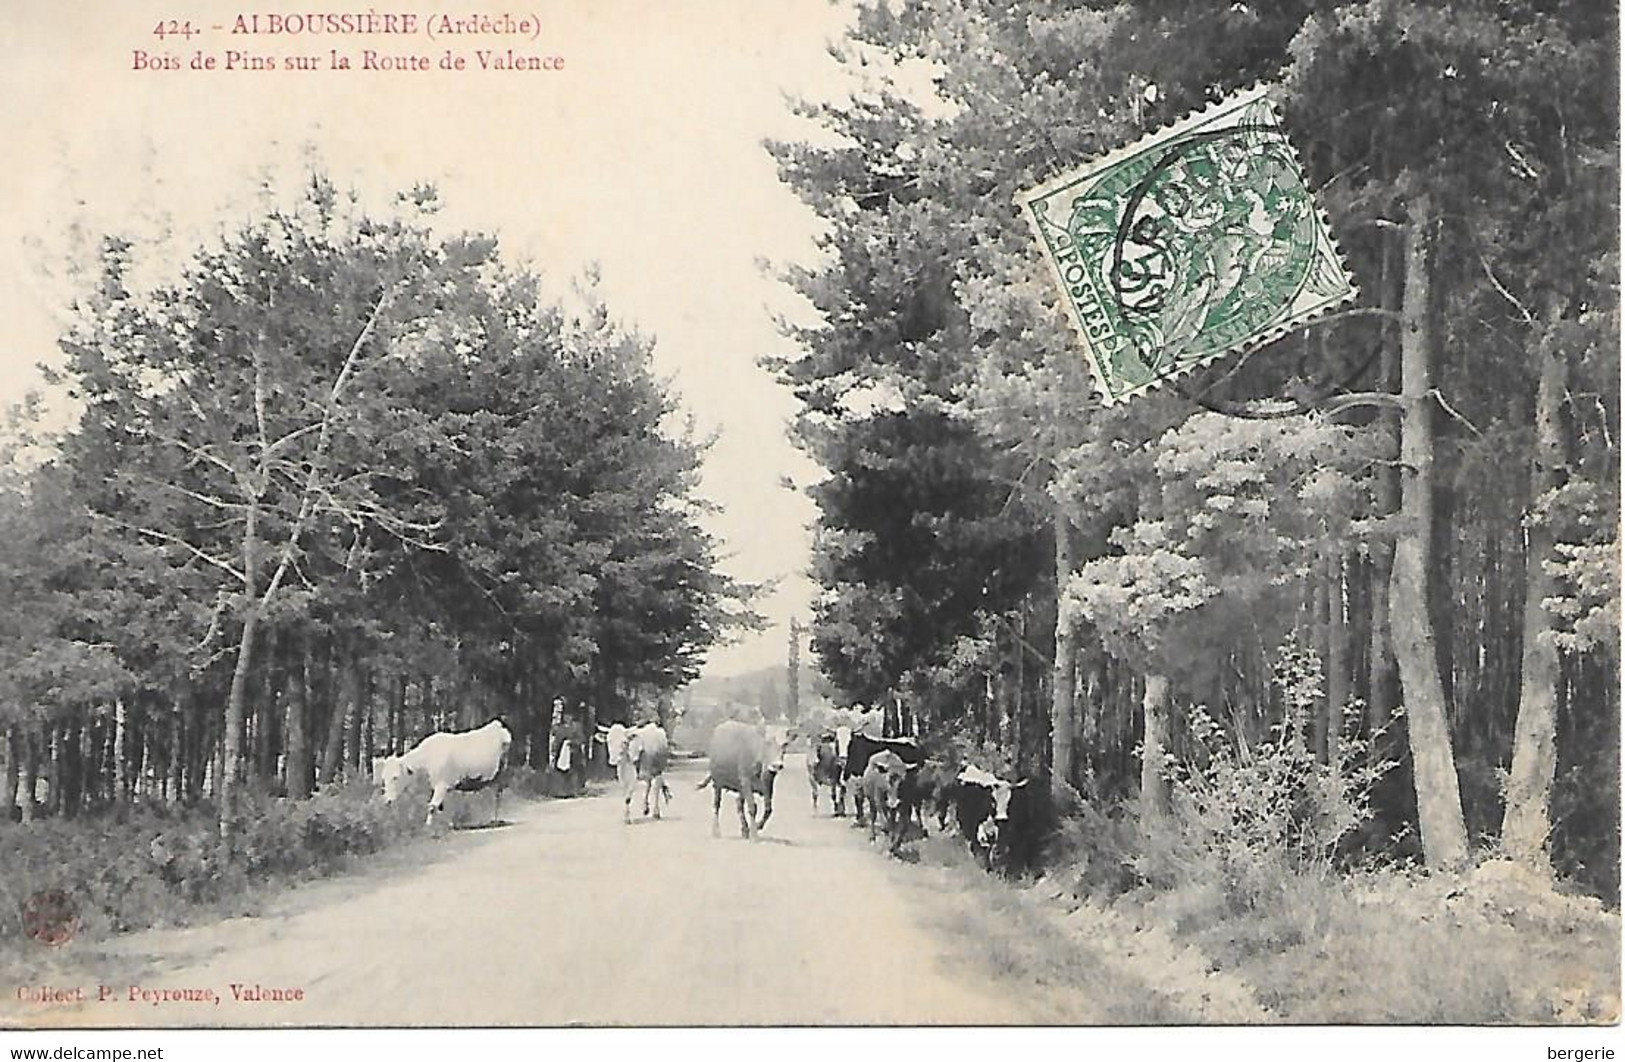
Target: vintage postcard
{"x": 601, "y": 514}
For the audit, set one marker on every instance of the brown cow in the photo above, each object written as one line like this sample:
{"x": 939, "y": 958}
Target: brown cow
{"x": 747, "y": 760}
{"x": 883, "y": 782}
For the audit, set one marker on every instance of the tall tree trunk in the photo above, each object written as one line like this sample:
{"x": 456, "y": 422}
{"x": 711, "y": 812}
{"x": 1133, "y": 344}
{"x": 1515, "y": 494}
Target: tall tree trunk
{"x": 1087, "y": 714}
{"x": 262, "y": 764}
{"x": 139, "y": 741}
{"x": 1018, "y": 699}
{"x": 403, "y": 708}
{"x": 121, "y": 766}
{"x": 14, "y": 759}
{"x": 792, "y": 677}
{"x": 68, "y": 762}
{"x": 176, "y": 791}
{"x": 99, "y": 772}
{"x": 28, "y": 773}
{"x": 229, "y": 779}
{"x": 355, "y": 699}
{"x": 1064, "y": 683}
{"x": 369, "y": 697}
{"x": 333, "y": 747}
{"x": 1337, "y": 657}
{"x": 297, "y": 766}
{"x": 199, "y": 746}
{"x": 228, "y": 774}
{"x": 77, "y": 791}
{"x": 144, "y": 772}
{"x": 1444, "y": 607}
{"x": 397, "y": 711}
{"x": 216, "y": 767}
{"x": 1320, "y": 726}
{"x": 1002, "y": 725}
{"x": 54, "y": 773}
{"x": 1153, "y": 784}
{"x": 1438, "y": 791}
{"x": 1534, "y": 744}
{"x": 1382, "y": 681}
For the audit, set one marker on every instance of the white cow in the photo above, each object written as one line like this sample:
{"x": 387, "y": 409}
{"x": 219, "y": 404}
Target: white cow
{"x": 466, "y": 761}
{"x": 638, "y": 754}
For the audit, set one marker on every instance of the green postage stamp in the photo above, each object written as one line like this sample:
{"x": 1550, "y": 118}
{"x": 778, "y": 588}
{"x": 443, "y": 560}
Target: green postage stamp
{"x": 1196, "y": 241}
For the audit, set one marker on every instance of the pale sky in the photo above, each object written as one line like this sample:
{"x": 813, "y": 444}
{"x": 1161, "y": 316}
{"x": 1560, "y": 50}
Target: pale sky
{"x": 643, "y": 154}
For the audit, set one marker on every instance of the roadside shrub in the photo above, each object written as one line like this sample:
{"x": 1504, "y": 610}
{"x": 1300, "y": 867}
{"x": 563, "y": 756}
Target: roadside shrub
{"x": 1250, "y": 819}
{"x": 1094, "y": 851}
{"x": 280, "y": 837}
{"x": 107, "y": 865}
{"x": 525, "y": 781}
{"x": 151, "y": 865}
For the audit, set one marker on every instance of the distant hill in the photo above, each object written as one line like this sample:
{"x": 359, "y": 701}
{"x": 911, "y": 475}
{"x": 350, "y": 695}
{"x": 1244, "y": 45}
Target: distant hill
{"x": 762, "y": 688}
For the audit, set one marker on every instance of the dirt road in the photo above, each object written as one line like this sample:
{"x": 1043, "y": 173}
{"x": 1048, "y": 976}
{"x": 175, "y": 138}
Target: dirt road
{"x": 565, "y": 916}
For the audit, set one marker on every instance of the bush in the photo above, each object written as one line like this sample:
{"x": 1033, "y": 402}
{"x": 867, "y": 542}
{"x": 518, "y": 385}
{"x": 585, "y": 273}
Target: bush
{"x": 1099, "y": 850}
{"x": 1252, "y": 819}
{"x": 281, "y": 837}
{"x": 154, "y": 864}
{"x": 525, "y": 781}
{"x": 107, "y": 865}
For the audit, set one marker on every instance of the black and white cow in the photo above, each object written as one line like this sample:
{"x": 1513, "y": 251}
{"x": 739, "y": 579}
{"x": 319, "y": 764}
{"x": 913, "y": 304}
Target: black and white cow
{"x": 999, "y": 819}
{"x": 860, "y": 751}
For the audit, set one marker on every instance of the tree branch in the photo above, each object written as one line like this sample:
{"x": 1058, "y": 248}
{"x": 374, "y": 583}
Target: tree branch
{"x": 1438, "y": 396}
{"x": 355, "y": 351}
{"x": 1015, "y": 488}
{"x": 1358, "y": 311}
{"x": 1381, "y": 399}
{"x": 214, "y": 622}
{"x": 174, "y": 540}
{"x": 201, "y": 454}
{"x": 286, "y": 439}
{"x": 218, "y": 503}
{"x": 259, "y": 398}
{"x": 324, "y": 440}
{"x": 1495, "y": 281}
{"x": 1024, "y": 643}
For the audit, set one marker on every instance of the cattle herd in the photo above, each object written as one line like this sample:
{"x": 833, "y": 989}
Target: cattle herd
{"x": 893, "y": 787}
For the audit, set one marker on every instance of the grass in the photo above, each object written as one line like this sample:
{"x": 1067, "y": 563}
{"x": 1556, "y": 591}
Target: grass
{"x": 1492, "y": 945}
{"x": 1012, "y": 937}
{"x": 1487, "y": 947}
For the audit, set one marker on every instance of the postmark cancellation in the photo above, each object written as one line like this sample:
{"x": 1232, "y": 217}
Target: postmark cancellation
{"x": 1199, "y": 240}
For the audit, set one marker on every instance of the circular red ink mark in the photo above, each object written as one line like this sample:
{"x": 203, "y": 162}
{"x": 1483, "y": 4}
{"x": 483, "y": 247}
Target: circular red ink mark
{"x": 50, "y": 917}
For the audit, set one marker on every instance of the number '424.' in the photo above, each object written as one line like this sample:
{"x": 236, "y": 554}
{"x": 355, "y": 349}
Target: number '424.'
{"x": 171, "y": 27}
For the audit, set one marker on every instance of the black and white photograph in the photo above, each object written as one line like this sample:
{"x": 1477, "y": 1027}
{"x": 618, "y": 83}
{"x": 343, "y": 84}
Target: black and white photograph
{"x": 1093, "y": 519}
